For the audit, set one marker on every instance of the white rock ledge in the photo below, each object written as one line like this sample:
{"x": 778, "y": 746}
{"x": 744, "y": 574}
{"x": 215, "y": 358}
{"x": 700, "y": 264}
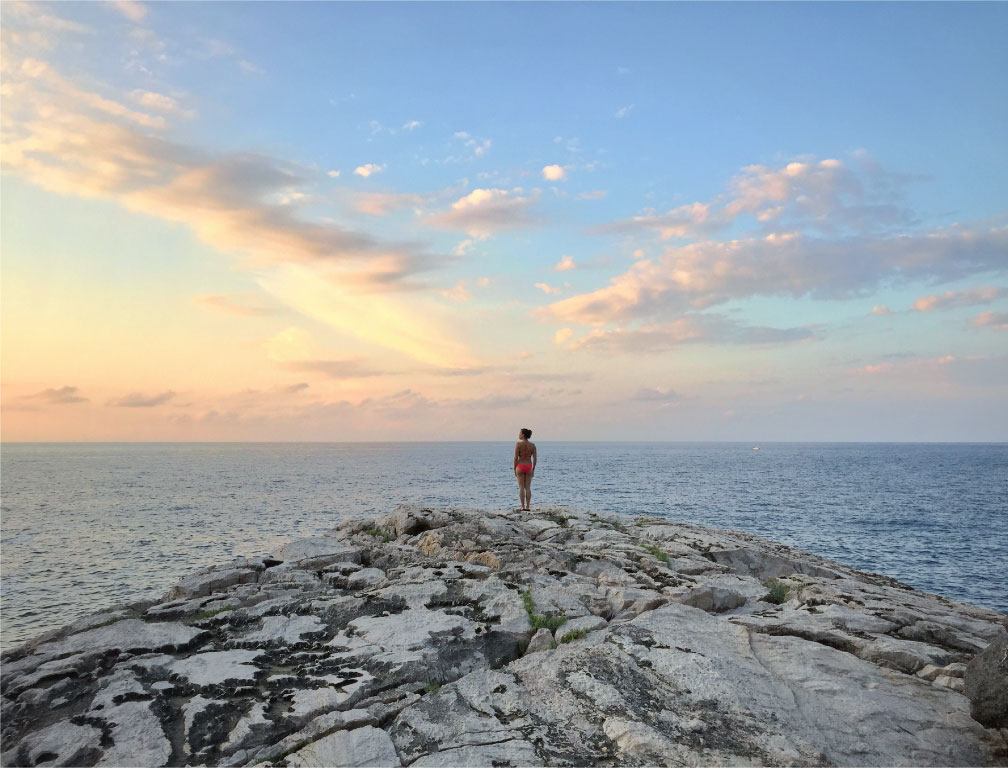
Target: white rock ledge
{"x": 496, "y": 638}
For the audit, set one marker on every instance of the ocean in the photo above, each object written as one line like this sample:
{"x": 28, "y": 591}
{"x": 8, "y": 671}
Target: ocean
{"x": 85, "y": 526}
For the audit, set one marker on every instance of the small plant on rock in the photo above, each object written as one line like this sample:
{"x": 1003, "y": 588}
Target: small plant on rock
{"x": 574, "y": 634}
{"x": 540, "y": 620}
{"x": 380, "y": 533}
{"x": 778, "y": 591}
{"x": 657, "y": 553}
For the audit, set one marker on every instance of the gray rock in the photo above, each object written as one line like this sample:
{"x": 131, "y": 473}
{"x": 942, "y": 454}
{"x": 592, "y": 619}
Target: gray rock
{"x": 138, "y": 737}
{"x": 217, "y": 667}
{"x": 986, "y": 684}
{"x": 212, "y": 580}
{"x": 360, "y": 650}
{"x": 713, "y": 599}
{"x": 71, "y": 744}
{"x": 542, "y": 640}
{"x": 366, "y": 577}
{"x": 287, "y": 630}
{"x": 367, "y": 746}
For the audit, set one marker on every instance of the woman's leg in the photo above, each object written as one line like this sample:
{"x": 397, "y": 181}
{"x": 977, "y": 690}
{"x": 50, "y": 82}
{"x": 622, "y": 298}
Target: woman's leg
{"x": 521, "y": 488}
{"x": 528, "y": 490}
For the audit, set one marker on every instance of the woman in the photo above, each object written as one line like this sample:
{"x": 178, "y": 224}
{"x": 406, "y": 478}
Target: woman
{"x": 524, "y": 467}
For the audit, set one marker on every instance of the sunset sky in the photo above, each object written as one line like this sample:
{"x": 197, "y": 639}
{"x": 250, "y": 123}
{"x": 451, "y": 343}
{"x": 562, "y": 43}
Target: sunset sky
{"x": 340, "y": 221}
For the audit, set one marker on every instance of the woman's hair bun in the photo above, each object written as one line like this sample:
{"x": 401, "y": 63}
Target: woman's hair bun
{"x": 526, "y": 432}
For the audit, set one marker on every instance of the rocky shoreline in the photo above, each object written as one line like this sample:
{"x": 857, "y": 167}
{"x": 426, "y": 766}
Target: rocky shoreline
{"x": 440, "y": 637}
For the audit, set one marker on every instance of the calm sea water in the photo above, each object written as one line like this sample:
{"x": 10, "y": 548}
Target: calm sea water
{"x": 88, "y": 525}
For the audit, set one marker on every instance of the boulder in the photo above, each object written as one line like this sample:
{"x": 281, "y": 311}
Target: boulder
{"x": 986, "y": 684}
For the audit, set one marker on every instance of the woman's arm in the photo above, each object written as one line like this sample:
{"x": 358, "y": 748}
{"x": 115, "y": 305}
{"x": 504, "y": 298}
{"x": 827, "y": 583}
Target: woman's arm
{"x": 535, "y": 457}
{"x": 515, "y": 465}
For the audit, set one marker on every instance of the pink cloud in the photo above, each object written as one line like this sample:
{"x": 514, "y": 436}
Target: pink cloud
{"x": 991, "y": 320}
{"x": 953, "y": 299}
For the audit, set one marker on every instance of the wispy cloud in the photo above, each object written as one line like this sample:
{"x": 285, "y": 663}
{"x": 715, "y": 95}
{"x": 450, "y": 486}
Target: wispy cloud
{"x": 657, "y": 395}
{"x": 140, "y": 400}
{"x": 595, "y": 194}
{"x": 955, "y": 299}
{"x": 623, "y": 111}
{"x": 235, "y": 304}
{"x": 335, "y": 369}
{"x": 412, "y": 125}
{"x": 131, "y": 9}
{"x": 689, "y": 329}
{"x": 59, "y": 396}
{"x": 991, "y": 320}
{"x": 547, "y": 288}
{"x": 384, "y": 203}
{"x": 881, "y": 309}
{"x": 566, "y": 263}
{"x": 459, "y": 292}
{"x": 78, "y": 143}
{"x": 484, "y": 212}
{"x": 828, "y": 196}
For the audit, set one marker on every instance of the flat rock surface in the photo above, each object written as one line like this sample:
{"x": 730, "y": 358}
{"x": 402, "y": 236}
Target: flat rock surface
{"x": 492, "y": 638}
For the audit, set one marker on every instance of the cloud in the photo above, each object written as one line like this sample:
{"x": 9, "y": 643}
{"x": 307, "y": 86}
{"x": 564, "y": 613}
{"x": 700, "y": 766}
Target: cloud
{"x": 709, "y": 272}
{"x": 827, "y": 196}
{"x": 479, "y": 147}
{"x": 82, "y": 144}
{"x": 61, "y": 396}
{"x": 384, "y": 203}
{"x": 656, "y": 395}
{"x": 563, "y": 336}
{"x": 39, "y": 80}
{"x": 335, "y": 369}
{"x": 131, "y": 9}
{"x": 595, "y": 194}
{"x": 484, "y": 212}
{"x": 333, "y": 174}
{"x": 566, "y": 263}
{"x": 916, "y": 366}
{"x": 234, "y": 304}
{"x": 623, "y": 111}
{"x": 546, "y": 288}
{"x": 881, "y": 309}
{"x": 688, "y": 329}
{"x": 368, "y": 169}
{"x": 554, "y": 172}
{"x": 954, "y": 299}
{"x": 160, "y": 102}
{"x": 139, "y": 400}
{"x": 991, "y": 320}
{"x": 458, "y": 292}
{"x": 412, "y": 125}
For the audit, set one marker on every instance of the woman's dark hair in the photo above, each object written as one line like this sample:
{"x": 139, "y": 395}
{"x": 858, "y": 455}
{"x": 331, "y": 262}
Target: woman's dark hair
{"x": 526, "y": 432}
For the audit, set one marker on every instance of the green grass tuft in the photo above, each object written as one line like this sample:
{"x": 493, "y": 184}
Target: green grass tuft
{"x": 778, "y": 591}
{"x": 574, "y": 634}
{"x": 539, "y": 620}
{"x": 657, "y": 553}
{"x": 380, "y": 533}
{"x": 432, "y": 688}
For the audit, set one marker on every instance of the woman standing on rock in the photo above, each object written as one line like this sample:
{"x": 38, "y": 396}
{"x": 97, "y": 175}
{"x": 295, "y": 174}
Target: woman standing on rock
{"x": 524, "y": 466}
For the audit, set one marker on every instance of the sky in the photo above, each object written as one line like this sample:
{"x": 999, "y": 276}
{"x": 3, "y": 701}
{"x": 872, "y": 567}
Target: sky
{"x": 446, "y": 221}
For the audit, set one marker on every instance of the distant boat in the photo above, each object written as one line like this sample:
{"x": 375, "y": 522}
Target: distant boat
{"x": 755, "y": 447}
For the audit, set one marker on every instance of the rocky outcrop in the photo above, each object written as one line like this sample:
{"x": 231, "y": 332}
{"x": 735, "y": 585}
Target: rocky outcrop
{"x": 465, "y": 637}
{"x": 987, "y": 684}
